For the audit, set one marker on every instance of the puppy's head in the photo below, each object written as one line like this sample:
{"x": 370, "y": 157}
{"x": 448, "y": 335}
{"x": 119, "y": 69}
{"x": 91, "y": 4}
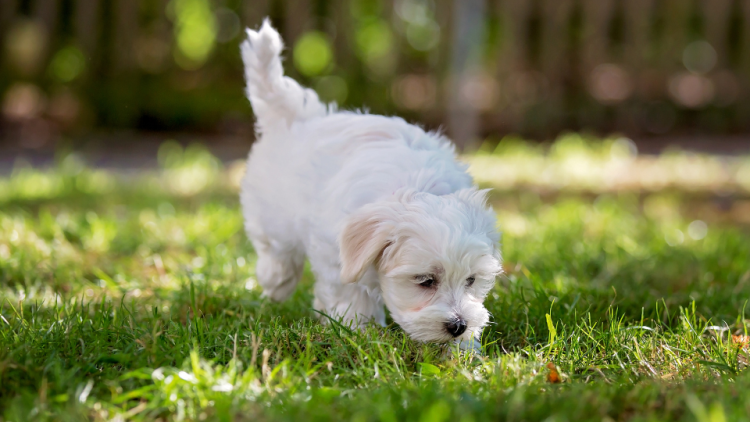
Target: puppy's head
{"x": 436, "y": 257}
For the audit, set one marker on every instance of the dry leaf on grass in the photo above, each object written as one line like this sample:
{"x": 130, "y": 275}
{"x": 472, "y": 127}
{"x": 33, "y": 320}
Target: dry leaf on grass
{"x": 741, "y": 341}
{"x": 553, "y": 376}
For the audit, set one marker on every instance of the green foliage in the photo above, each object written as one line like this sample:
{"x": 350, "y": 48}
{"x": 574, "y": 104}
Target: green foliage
{"x": 129, "y": 297}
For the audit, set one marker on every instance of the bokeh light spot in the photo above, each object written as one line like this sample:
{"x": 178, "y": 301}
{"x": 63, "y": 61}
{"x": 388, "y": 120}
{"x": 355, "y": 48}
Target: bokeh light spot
{"x": 332, "y": 88}
{"x": 610, "y": 84}
{"x": 195, "y": 32}
{"x": 151, "y": 53}
{"x": 423, "y": 36}
{"x": 228, "y": 24}
{"x": 67, "y": 64}
{"x": 312, "y": 53}
{"x": 415, "y": 92}
{"x": 691, "y": 91}
{"x": 25, "y": 43}
{"x": 23, "y": 101}
{"x": 674, "y": 237}
{"x": 414, "y": 11}
{"x": 699, "y": 57}
{"x": 374, "y": 40}
{"x": 697, "y": 230}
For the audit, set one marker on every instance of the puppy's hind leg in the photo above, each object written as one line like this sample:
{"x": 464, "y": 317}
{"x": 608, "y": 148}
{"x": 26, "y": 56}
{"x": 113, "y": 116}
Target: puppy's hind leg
{"x": 278, "y": 271}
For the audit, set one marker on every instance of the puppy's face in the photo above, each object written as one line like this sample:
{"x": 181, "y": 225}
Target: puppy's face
{"x": 436, "y": 257}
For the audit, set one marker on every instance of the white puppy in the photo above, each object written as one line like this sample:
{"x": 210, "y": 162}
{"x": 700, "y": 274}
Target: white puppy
{"x": 381, "y": 208}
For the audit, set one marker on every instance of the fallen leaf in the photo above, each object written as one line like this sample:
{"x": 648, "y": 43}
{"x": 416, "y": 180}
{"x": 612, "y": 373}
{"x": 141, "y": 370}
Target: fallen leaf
{"x": 741, "y": 341}
{"x": 429, "y": 369}
{"x": 553, "y": 376}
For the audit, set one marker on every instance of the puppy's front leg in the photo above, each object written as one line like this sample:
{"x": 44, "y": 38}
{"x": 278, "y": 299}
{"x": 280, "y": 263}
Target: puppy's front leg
{"x": 354, "y": 304}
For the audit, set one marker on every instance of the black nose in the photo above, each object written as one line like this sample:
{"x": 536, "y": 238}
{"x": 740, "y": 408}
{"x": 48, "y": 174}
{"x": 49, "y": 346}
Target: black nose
{"x": 456, "y": 327}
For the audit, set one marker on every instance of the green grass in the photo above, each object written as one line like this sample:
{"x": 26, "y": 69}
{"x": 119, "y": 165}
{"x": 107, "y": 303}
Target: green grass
{"x": 132, "y": 297}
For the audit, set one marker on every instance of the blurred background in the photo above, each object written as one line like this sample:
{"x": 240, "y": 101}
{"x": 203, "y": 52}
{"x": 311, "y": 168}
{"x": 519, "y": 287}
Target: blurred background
{"x": 115, "y": 78}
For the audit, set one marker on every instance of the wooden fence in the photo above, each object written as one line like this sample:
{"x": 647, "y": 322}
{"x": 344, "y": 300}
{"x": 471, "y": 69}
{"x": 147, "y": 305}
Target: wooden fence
{"x": 537, "y": 67}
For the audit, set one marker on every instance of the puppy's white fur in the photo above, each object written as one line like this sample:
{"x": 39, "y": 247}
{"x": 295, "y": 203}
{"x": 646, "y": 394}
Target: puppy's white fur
{"x": 377, "y": 205}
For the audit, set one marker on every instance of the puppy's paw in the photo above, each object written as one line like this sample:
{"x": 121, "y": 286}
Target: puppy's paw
{"x": 462, "y": 349}
{"x": 472, "y": 345}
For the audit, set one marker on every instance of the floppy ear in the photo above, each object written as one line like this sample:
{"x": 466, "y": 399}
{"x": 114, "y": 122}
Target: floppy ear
{"x": 363, "y": 239}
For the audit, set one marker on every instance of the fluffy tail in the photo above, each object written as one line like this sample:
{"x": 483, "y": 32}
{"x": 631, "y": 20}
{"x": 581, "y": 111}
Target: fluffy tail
{"x": 274, "y": 97}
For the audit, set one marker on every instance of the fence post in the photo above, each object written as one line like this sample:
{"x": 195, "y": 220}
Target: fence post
{"x": 444, "y": 19}
{"x": 637, "y": 17}
{"x": 514, "y": 15}
{"x": 343, "y": 45}
{"x": 46, "y": 13}
{"x": 597, "y": 16}
{"x": 676, "y": 14}
{"x": 745, "y": 46}
{"x": 555, "y": 16}
{"x": 513, "y": 61}
{"x": 7, "y": 13}
{"x": 253, "y": 13}
{"x": 717, "y": 13}
{"x": 126, "y": 31}
{"x": 87, "y": 19}
{"x": 296, "y": 20}
{"x": 463, "y": 119}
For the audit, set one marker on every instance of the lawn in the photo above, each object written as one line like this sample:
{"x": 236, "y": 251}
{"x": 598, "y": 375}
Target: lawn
{"x": 131, "y": 296}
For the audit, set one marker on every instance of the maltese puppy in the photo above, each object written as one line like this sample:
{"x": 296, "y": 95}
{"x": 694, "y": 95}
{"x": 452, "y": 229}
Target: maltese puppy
{"x": 382, "y": 210}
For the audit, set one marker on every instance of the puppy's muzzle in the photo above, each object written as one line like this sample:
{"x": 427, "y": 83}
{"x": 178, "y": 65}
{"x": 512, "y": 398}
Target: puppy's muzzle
{"x": 456, "y": 327}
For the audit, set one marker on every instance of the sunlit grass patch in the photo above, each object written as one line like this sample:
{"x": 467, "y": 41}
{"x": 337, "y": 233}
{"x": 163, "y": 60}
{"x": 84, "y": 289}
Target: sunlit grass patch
{"x": 133, "y": 297}
{"x": 577, "y": 163}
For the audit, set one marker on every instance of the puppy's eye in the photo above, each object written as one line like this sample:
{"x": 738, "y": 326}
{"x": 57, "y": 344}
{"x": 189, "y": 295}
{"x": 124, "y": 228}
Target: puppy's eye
{"x": 470, "y": 281}
{"x": 427, "y": 282}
